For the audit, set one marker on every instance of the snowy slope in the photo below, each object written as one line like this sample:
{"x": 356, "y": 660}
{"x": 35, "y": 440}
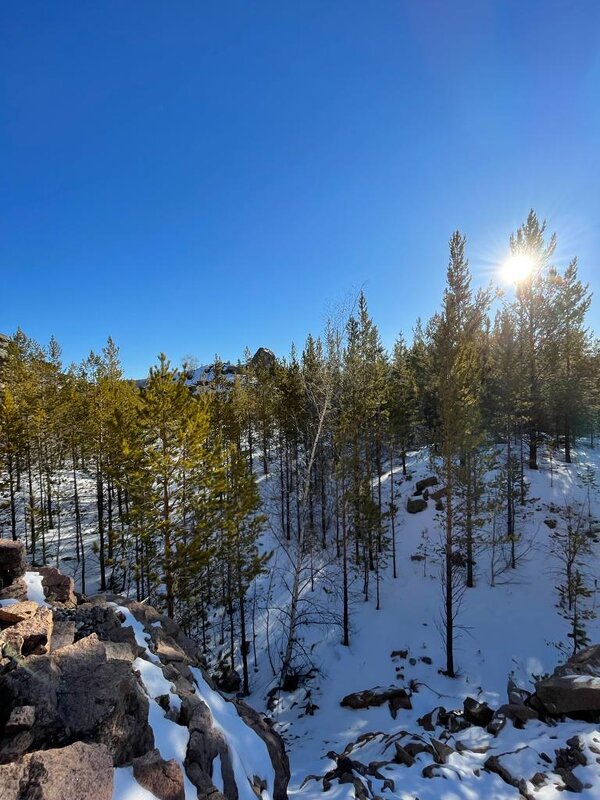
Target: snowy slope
{"x": 510, "y": 629}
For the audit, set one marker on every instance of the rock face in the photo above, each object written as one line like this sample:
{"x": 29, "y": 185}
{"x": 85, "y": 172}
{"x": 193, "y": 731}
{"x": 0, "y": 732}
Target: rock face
{"x": 264, "y": 358}
{"x": 82, "y": 687}
{"x": 79, "y": 772}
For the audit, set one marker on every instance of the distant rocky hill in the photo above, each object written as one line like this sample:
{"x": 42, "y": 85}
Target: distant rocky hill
{"x": 102, "y": 698}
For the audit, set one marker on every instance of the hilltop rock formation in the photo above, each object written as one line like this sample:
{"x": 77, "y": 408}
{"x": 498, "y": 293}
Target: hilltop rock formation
{"x": 89, "y": 687}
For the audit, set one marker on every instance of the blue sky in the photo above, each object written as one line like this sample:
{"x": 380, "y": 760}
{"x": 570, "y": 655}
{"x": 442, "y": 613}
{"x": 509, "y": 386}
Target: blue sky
{"x": 196, "y": 177}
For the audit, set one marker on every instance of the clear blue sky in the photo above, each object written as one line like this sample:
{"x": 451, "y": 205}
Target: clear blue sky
{"x": 196, "y": 177}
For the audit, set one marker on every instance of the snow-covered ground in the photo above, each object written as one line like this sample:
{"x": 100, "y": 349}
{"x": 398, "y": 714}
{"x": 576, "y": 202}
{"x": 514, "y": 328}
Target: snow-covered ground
{"x": 510, "y": 629}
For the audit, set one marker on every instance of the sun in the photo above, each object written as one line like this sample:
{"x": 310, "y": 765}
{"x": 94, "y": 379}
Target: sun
{"x": 518, "y": 268}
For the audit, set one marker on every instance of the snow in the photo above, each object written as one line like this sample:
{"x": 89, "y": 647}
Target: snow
{"x": 35, "y": 590}
{"x": 125, "y": 786}
{"x": 170, "y": 738}
{"x": 8, "y": 602}
{"x": 512, "y": 628}
{"x": 249, "y": 754}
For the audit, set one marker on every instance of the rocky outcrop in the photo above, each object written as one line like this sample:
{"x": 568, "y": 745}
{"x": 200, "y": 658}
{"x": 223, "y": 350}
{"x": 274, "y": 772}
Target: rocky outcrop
{"x": 264, "y": 358}
{"x": 83, "y": 686}
{"x": 574, "y": 688}
{"x": 80, "y": 772}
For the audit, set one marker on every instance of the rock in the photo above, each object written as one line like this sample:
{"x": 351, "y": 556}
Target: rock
{"x": 551, "y": 523}
{"x": 399, "y": 701}
{"x": 12, "y": 561}
{"x": 77, "y": 772}
{"x": 274, "y": 743}
{"x": 21, "y": 718}
{"x": 206, "y": 743}
{"x": 415, "y": 504}
{"x": 433, "y": 718}
{"x": 497, "y": 723}
{"x": 516, "y": 695}
{"x": 425, "y": 482}
{"x": 493, "y": 764}
{"x": 168, "y": 650}
{"x": 264, "y": 358}
{"x": 163, "y": 779}
{"x": 403, "y": 756}
{"x": 438, "y": 495}
{"x": 519, "y": 715}
{"x": 11, "y": 615}
{"x": 426, "y": 660}
{"x": 78, "y": 693}
{"x": 476, "y": 713}
{"x": 58, "y": 588}
{"x": 415, "y": 748}
{"x": 585, "y": 662}
{"x": 377, "y": 696}
{"x": 31, "y": 635}
{"x": 229, "y": 681}
{"x": 63, "y": 634}
{"x": 571, "y": 781}
{"x": 17, "y": 590}
{"x": 442, "y": 751}
{"x": 570, "y": 695}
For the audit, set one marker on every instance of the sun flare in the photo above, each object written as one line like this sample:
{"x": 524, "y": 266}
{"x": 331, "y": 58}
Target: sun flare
{"x": 518, "y": 268}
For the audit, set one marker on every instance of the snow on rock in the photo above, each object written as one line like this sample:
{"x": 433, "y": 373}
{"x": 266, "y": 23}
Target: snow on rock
{"x": 141, "y": 637}
{"x": 35, "y": 590}
{"x": 249, "y": 755}
{"x": 125, "y": 786}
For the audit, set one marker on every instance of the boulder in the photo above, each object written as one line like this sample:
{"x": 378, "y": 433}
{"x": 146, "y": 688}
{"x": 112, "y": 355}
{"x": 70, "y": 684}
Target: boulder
{"x": 577, "y": 695}
{"x": 493, "y": 764}
{"x": 31, "y": 635}
{"x": 438, "y": 495}
{"x": 78, "y": 772}
{"x": 59, "y": 589}
{"x": 377, "y": 696}
{"x": 17, "y": 590}
{"x": 517, "y": 713}
{"x": 415, "y": 504}
{"x": 402, "y": 756}
{"x": 163, "y": 779}
{"x": 12, "y": 561}
{"x": 17, "y": 612}
{"x": 78, "y": 693}
{"x": 477, "y": 713}
{"x": 63, "y": 634}
{"x": 585, "y": 662}
{"x": 425, "y": 482}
